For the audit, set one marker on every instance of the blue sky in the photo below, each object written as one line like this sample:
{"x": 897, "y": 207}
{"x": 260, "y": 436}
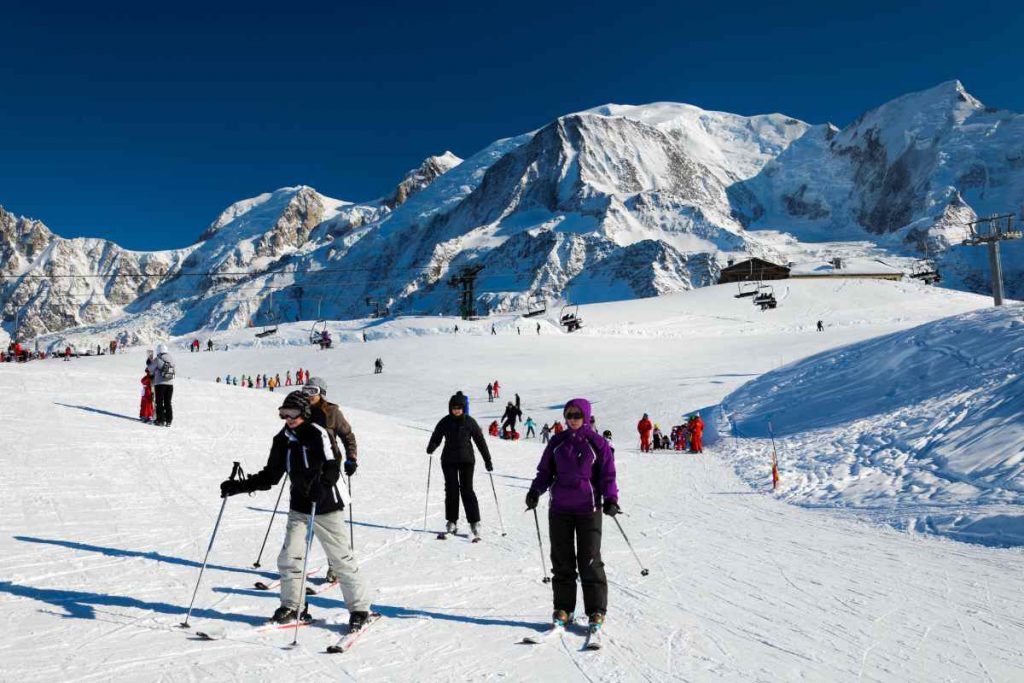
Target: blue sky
{"x": 140, "y": 124}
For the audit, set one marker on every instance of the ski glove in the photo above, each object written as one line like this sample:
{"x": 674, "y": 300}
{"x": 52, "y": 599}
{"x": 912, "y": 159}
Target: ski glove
{"x": 531, "y": 500}
{"x": 489, "y": 465}
{"x": 231, "y": 487}
{"x": 350, "y": 467}
{"x": 611, "y": 508}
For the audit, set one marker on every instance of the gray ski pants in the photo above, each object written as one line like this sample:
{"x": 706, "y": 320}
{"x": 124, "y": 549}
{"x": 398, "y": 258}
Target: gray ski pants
{"x": 330, "y": 530}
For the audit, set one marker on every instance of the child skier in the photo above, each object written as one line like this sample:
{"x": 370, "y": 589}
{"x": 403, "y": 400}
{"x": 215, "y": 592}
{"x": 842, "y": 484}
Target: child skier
{"x": 459, "y": 432}
{"x": 146, "y": 413}
{"x": 545, "y": 433}
{"x": 303, "y": 450}
{"x": 579, "y": 468}
{"x": 530, "y": 424}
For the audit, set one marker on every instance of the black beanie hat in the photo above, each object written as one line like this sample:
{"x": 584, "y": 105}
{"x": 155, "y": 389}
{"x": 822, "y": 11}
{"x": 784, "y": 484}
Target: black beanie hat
{"x": 457, "y": 401}
{"x": 298, "y": 400}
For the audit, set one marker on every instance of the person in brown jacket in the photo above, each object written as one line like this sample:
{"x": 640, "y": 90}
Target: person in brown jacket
{"x": 329, "y": 416}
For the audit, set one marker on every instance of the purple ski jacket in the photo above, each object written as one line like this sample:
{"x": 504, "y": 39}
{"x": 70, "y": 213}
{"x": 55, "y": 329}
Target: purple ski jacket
{"x": 579, "y": 468}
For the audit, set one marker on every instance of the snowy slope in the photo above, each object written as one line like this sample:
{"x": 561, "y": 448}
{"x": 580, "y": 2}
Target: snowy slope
{"x": 104, "y": 520}
{"x": 923, "y": 429}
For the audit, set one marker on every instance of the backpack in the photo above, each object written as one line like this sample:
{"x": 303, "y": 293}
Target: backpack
{"x": 167, "y": 369}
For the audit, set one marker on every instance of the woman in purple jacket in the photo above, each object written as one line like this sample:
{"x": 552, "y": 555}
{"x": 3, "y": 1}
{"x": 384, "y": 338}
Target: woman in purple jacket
{"x": 578, "y": 466}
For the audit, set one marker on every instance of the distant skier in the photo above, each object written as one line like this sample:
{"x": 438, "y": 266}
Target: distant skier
{"x": 288, "y": 378}
{"x": 657, "y": 438}
{"x": 459, "y": 432}
{"x": 303, "y": 450}
{"x": 497, "y": 389}
{"x": 510, "y": 417}
{"x": 557, "y": 427}
{"x": 67, "y": 353}
{"x": 545, "y": 433}
{"x": 146, "y": 404}
{"x": 530, "y": 431}
{"x": 378, "y": 366}
{"x": 163, "y": 380}
{"x": 645, "y": 427}
{"x": 490, "y": 393}
{"x": 821, "y": 326}
{"x": 697, "y": 434}
{"x": 579, "y": 468}
{"x": 456, "y": 328}
{"x": 517, "y": 402}
{"x": 538, "y": 328}
{"x": 493, "y": 331}
{"x": 492, "y": 429}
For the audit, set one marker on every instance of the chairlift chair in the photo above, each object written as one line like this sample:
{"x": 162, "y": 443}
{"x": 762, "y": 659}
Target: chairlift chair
{"x": 316, "y": 333}
{"x": 569, "y": 318}
{"x": 535, "y": 306}
{"x": 765, "y": 297}
{"x": 746, "y": 289}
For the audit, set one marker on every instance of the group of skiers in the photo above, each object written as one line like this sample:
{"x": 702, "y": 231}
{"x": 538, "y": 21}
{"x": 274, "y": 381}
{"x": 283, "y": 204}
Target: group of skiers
{"x": 266, "y": 381}
{"x": 194, "y": 346}
{"x": 577, "y": 467}
{"x": 687, "y": 436}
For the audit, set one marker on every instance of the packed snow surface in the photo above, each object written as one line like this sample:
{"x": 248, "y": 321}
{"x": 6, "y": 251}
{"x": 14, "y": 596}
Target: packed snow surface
{"x": 104, "y": 521}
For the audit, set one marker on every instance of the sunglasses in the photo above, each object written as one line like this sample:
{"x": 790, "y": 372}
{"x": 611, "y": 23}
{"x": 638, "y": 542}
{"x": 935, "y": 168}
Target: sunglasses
{"x": 289, "y": 413}
{"x": 310, "y": 390}
{"x": 574, "y": 416}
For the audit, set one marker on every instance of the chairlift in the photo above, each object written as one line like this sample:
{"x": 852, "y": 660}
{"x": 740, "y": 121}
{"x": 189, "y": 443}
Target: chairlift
{"x": 926, "y": 271}
{"x": 318, "y": 334}
{"x": 746, "y": 289}
{"x": 270, "y": 327}
{"x": 535, "y": 306}
{"x": 569, "y": 318}
{"x": 765, "y": 297}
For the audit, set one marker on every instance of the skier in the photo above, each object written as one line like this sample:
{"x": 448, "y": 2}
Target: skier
{"x": 209, "y": 345}
{"x": 493, "y": 331}
{"x": 538, "y": 328}
{"x": 497, "y": 389}
{"x": 697, "y": 434}
{"x": 530, "y": 424}
{"x": 657, "y": 438}
{"x": 303, "y": 450}
{"x": 490, "y": 393}
{"x": 456, "y": 328}
{"x": 459, "y": 432}
{"x": 163, "y": 379}
{"x": 492, "y": 429}
{"x": 67, "y": 353}
{"x": 146, "y": 404}
{"x": 821, "y": 326}
{"x": 557, "y": 428}
{"x": 545, "y": 433}
{"x": 288, "y": 378}
{"x": 510, "y": 417}
{"x": 579, "y": 468}
{"x": 517, "y": 401}
{"x": 329, "y": 416}
{"x": 378, "y": 366}
{"x": 645, "y": 427}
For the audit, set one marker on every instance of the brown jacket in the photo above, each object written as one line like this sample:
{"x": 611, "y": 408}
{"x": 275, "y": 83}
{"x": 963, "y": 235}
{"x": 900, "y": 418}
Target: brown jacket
{"x": 330, "y": 417}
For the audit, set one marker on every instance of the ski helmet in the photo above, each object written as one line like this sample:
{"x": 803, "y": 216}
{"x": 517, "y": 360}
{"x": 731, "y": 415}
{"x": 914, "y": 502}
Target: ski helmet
{"x": 458, "y": 400}
{"x": 299, "y": 401}
{"x": 319, "y": 383}
{"x": 162, "y": 348}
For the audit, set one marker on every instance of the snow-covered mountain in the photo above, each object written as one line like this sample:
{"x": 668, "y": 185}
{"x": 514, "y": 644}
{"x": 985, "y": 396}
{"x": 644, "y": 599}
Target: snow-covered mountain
{"x": 614, "y": 202}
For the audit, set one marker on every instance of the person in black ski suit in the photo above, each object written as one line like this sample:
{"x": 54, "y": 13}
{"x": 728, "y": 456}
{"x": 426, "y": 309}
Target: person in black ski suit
{"x": 459, "y": 432}
{"x": 302, "y": 449}
{"x": 511, "y": 415}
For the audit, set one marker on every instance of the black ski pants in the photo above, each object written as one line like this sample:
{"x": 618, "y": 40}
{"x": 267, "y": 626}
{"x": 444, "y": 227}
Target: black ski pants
{"x": 164, "y": 414}
{"x": 576, "y": 545}
{"x": 458, "y": 481}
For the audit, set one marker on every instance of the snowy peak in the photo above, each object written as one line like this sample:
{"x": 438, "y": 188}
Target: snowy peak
{"x": 419, "y": 178}
{"x": 21, "y": 241}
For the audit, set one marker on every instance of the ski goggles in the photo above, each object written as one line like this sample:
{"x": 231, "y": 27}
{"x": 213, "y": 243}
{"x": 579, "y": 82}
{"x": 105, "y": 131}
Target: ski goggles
{"x": 311, "y": 390}
{"x": 573, "y": 415}
{"x": 289, "y": 413}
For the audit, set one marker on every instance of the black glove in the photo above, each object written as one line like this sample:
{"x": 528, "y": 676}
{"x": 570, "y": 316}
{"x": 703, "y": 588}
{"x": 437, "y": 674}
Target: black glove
{"x": 350, "y": 467}
{"x": 531, "y": 500}
{"x": 611, "y": 508}
{"x": 489, "y": 465}
{"x": 330, "y": 473}
{"x": 231, "y": 487}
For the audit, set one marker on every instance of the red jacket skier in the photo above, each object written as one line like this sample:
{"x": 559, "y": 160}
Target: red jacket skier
{"x": 645, "y": 427}
{"x": 696, "y": 434}
{"x": 557, "y": 428}
{"x": 497, "y": 389}
{"x": 146, "y": 405}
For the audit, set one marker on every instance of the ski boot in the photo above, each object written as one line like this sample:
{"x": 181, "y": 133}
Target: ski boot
{"x": 596, "y": 621}
{"x": 356, "y": 620}
{"x": 561, "y": 619}
{"x": 286, "y": 615}
{"x": 332, "y": 576}
{"x": 475, "y": 528}
{"x": 451, "y": 528}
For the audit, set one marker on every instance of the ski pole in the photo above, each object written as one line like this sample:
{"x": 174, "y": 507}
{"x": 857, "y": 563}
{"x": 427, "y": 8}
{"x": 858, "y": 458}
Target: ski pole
{"x": 643, "y": 570}
{"x": 775, "y": 458}
{"x": 540, "y": 544}
{"x": 265, "y": 537}
{"x": 351, "y": 526}
{"x": 430, "y": 465}
{"x": 496, "y": 506}
{"x": 305, "y": 564}
{"x": 236, "y": 470}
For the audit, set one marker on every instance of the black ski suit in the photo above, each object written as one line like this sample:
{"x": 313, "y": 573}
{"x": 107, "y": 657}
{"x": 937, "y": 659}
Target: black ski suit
{"x": 458, "y": 462}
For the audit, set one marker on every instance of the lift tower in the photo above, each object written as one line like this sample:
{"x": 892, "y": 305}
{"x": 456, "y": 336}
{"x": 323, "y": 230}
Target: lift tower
{"x": 992, "y": 237}
{"x": 466, "y": 279}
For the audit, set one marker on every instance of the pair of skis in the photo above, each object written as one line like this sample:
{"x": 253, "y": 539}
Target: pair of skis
{"x": 594, "y": 639}
{"x": 342, "y": 644}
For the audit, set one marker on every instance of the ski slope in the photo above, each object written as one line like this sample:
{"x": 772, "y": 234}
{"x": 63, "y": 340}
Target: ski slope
{"x": 104, "y": 521}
